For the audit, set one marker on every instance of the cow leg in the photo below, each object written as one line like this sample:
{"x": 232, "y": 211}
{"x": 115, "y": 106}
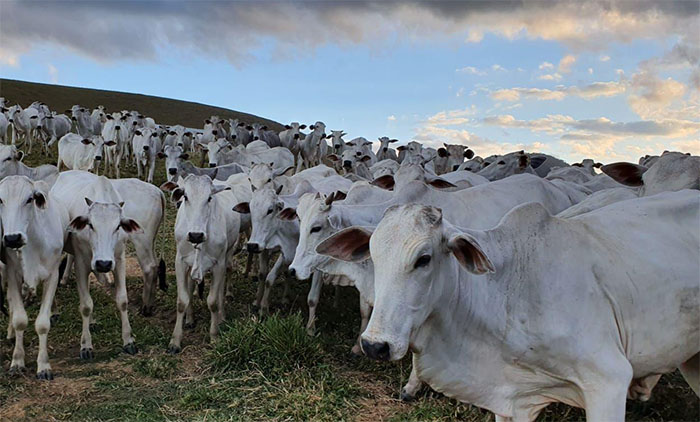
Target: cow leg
{"x": 122, "y": 301}
{"x": 269, "y": 283}
{"x": 413, "y": 386}
{"x": 263, "y": 263}
{"x": 248, "y": 264}
{"x": 365, "y": 313}
{"x": 42, "y": 326}
{"x": 605, "y": 395}
{"x": 690, "y": 370}
{"x": 218, "y": 278}
{"x": 67, "y": 271}
{"x": 151, "y": 170}
{"x": 312, "y": 300}
{"x": 82, "y": 270}
{"x": 116, "y": 156}
{"x": 139, "y": 168}
{"x": 184, "y": 295}
{"x": 146, "y": 256}
{"x": 18, "y": 321}
{"x": 189, "y": 312}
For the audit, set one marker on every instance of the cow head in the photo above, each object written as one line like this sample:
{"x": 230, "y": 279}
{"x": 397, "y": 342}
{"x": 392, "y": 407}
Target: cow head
{"x": 173, "y": 155}
{"x": 264, "y": 208}
{"x": 216, "y": 151}
{"x": 21, "y": 203}
{"x": 104, "y": 228}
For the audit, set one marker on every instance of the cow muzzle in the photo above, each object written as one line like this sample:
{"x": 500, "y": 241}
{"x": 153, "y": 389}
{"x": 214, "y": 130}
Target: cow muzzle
{"x": 347, "y": 164}
{"x": 172, "y": 172}
{"x": 146, "y": 147}
{"x": 256, "y": 138}
{"x": 103, "y": 266}
{"x": 195, "y": 237}
{"x": 13, "y": 241}
{"x": 98, "y": 158}
{"x": 253, "y": 247}
{"x": 376, "y": 351}
{"x": 212, "y": 164}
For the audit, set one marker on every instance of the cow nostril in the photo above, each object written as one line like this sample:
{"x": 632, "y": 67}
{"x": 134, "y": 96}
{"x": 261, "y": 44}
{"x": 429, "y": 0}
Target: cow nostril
{"x": 172, "y": 171}
{"x": 253, "y": 247}
{"x": 145, "y": 147}
{"x": 195, "y": 237}
{"x": 292, "y": 272}
{"x": 212, "y": 164}
{"x": 256, "y": 138}
{"x": 378, "y": 351}
{"x": 347, "y": 163}
{"x": 13, "y": 241}
{"x": 98, "y": 158}
{"x": 102, "y": 266}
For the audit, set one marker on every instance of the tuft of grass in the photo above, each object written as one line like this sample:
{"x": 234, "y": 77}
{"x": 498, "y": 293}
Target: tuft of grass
{"x": 159, "y": 366}
{"x": 277, "y": 345}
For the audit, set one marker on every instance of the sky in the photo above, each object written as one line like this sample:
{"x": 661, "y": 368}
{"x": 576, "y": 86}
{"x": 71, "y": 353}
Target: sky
{"x": 608, "y": 80}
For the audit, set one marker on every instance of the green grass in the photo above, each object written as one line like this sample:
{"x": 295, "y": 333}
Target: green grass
{"x": 257, "y": 370}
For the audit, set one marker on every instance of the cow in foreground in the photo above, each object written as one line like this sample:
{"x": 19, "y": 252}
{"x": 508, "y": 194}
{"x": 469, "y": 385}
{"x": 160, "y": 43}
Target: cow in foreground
{"x": 206, "y": 232}
{"x": 511, "y": 325}
{"x": 33, "y": 228}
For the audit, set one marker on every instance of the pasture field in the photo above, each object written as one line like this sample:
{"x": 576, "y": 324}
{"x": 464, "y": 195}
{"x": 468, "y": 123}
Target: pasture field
{"x": 258, "y": 370}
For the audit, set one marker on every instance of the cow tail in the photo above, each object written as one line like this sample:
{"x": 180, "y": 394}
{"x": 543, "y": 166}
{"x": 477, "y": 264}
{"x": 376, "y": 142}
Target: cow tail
{"x": 162, "y": 282}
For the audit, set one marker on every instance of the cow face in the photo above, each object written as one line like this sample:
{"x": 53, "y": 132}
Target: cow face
{"x": 384, "y": 143}
{"x": 337, "y": 141}
{"x": 264, "y": 208}
{"x": 104, "y": 228}
{"x": 216, "y": 151}
{"x": 21, "y": 202}
{"x": 506, "y": 165}
{"x": 173, "y": 156}
{"x": 195, "y": 195}
{"x": 10, "y": 157}
{"x": 317, "y": 221}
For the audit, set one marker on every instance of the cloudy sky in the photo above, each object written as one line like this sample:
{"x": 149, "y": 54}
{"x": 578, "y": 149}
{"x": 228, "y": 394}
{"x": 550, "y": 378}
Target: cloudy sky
{"x": 610, "y": 80}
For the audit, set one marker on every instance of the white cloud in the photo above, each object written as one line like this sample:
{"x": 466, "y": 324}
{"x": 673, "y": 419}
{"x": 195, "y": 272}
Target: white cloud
{"x": 471, "y": 70}
{"x": 391, "y": 118}
{"x": 566, "y": 63}
{"x": 588, "y": 92}
{"x": 475, "y": 36}
{"x": 590, "y": 70}
{"x": 498, "y": 67}
{"x": 546, "y": 66}
{"x": 550, "y": 77}
{"x": 604, "y": 58}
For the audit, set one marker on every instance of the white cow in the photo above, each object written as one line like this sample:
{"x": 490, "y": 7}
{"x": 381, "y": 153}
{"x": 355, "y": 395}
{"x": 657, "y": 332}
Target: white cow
{"x": 310, "y": 149}
{"x": 56, "y": 126}
{"x": 240, "y": 134}
{"x": 115, "y": 130}
{"x": 385, "y": 152}
{"x": 33, "y": 227}
{"x": 78, "y": 153}
{"x": 146, "y": 145}
{"x": 670, "y": 172}
{"x": 337, "y": 141}
{"x": 451, "y": 157}
{"x": 511, "y": 325}
{"x": 11, "y": 164}
{"x": 409, "y": 172}
{"x": 206, "y": 232}
{"x": 222, "y": 152}
{"x": 4, "y": 125}
{"x": 261, "y": 133}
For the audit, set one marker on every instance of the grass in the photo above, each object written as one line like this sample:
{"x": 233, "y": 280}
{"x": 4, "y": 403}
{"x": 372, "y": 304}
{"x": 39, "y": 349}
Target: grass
{"x": 257, "y": 370}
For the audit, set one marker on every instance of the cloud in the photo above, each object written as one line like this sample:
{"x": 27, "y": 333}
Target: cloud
{"x": 546, "y": 66}
{"x": 590, "y": 70}
{"x": 53, "y": 74}
{"x": 588, "y": 92}
{"x": 109, "y": 31}
{"x": 566, "y": 63}
{"x": 498, "y": 67}
{"x": 391, "y": 118}
{"x": 550, "y": 77}
{"x": 604, "y": 58}
{"x": 471, "y": 70}
{"x": 452, "y": 117}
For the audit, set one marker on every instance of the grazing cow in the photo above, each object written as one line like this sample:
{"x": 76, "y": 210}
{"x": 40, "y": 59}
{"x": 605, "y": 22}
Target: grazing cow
{"x": 78, "y": 153}
{"x": 24, "y": 123}
{"x": 99, "y": 228}
{"x": 670, "y": 172}
{"x": 385, "y": 152}
{"x": 11, "y": 164}
{"x": 206, "y": 232}
{"x": 492, "y": 324}
{"x": 56, "y": 126}
{"x": 33, "y": 227}
{"x": 146, "y": 145}
{"x": 115, "y": 130}
{"x": 451, "y": 157}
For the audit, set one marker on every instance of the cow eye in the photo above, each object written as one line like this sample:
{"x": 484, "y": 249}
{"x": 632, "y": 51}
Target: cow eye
{"x": 269, "y": 211}
{"x": 268, "y": 180}
{"x": 7, "y": 159}
{"x": 30, "y": 200}
{"x": 91, "y": 227}
{"x": 209, "y": 199}
{"x": 315, "y": 229}
{"x": 423, "y": 261}
{"x": 501, "y": 162}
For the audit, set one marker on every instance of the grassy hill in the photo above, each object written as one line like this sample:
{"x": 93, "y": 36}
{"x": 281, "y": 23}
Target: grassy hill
{"x": 163, "y": 110}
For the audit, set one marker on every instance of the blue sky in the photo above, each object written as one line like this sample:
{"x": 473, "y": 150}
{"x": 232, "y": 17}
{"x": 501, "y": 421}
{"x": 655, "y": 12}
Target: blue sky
{"x": 610, "y": 81}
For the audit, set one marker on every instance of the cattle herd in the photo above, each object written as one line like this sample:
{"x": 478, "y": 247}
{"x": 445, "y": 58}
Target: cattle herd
{"x": 514, "y": 280}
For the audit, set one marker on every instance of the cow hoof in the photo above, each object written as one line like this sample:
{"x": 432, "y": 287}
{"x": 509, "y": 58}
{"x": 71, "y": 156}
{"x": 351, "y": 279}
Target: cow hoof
{"x": 16, "y": 371}
{"x": 190, "y": 325}
{"x": 55, "y": 318}
{"x": 146, "y": 311}
{"x": 407, "y": 398}
{"x": 45, "y": 375}
{"x": 356, "y": 351}
{"x": 130, "y": 349}
{"x": 173, "y": 349}
{"x": 86, "y": 354}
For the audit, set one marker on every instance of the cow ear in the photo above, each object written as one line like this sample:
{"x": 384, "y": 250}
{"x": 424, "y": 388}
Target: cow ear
{"x": 365, "y": 158}
{"x": 340, "y": 195}
{"x": 391, "y": 141}
{"x": 86, "y": 141}
{"x": 470, "y": 255}
{"x": 287, "y": 127}
{"x": 130, "y": 226}
{"x": 19, "y": 155}
{"x": 161, "y": 155}
{"x": 88, "y": 201}
{"x": 524, "y": 161}
{"x": 469, "y": 154}
{"x": 302, "y": 127}
{"x": 242, "y": 207}
{"x": 333, "y": 157}
{"x": 350, "y": 244}
{"x": 168, "y": 186}
{"x": 287, "y": 214}
{"x": 598, "y": 165}
{"x": 78, "y": 223}
{"x": 577, "y": 165}
{"x": 384, "y": 182}
{"x": 401, "y": 148}
{"x": 39, "y": 199}
{"x": 441, "y": 183}
{"x": 137, "y": 132}
{"x": 218, "y": 188}
{"x": 177, "y": 194}
{"x": 442, "y": 152}
{"x": 279, "y": 189}
{"x": 626, "y": 173}
{"x": 185, "y": 156}
{"x": 110, "y": 143}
